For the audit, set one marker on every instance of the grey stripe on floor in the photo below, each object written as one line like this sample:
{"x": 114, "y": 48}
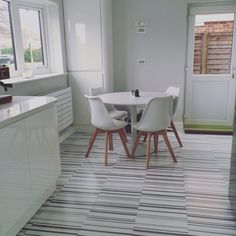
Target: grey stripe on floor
{"x": 186, "y": 198}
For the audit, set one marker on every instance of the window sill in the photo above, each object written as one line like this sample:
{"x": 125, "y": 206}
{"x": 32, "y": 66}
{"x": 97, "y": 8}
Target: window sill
{"x": 17, "y": 80}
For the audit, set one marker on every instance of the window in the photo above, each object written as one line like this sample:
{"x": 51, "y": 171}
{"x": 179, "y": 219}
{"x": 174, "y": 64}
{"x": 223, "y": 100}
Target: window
{"x": 23, "y": 37}
{"x": 7, "y": 50}
{"x": 213, "y": 43}
{"x": 31, "y": 31}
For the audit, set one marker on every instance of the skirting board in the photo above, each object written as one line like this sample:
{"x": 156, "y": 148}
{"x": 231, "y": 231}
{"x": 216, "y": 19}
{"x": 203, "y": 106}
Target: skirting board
{"x": 208, "y": 129}
{"x": 179, "y": 126}
{"x": 64, "y": 134}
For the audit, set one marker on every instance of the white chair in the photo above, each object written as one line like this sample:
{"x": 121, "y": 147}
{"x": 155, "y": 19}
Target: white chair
{"x": 102, "y": 121}
{"x": 175, "y": 92}
{"x": 155, "y": 120}
{"x": 115, "y": 114}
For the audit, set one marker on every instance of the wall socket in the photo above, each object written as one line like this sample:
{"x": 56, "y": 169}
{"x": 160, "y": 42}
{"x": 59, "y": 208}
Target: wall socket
{"x": 141, "y": 61}
{"x": 141, "y": 30}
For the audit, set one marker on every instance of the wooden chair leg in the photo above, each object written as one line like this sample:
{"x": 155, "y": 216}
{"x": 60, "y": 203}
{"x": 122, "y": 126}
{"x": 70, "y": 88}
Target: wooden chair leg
{"x": 145, "y": 138}
{"x": 91, "y": 141}
{"x": 155, "y": 142}
{"x": 126, "y": 140}
{"x": 110, "y": 142}
{"x": 135, "y": 145}
{"x": 123, "y": 140}
{"x": 164, "y": 133}
{"x": 148, "y": 150}
{"x": 107, "y": 134}
{"x": 176, "y": 133}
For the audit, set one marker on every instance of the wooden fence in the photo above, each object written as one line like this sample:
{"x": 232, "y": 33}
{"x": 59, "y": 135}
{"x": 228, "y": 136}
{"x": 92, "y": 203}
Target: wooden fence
{"x": 212, "y": 52}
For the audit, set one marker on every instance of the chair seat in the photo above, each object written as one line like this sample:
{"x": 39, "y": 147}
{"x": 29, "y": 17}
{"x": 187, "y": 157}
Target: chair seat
{"x": 118, "y": 124}
{"x": 146, "y": 129}
{"x": 117, "y": 114}
{"x": 114, "y": 113}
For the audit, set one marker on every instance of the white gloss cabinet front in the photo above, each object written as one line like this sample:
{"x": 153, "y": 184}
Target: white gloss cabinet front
{"x": 83, "y": 35}
{"x": 15, "y": 193}
{"x": 29, "y": 167}
{"x": 43, "y": 151}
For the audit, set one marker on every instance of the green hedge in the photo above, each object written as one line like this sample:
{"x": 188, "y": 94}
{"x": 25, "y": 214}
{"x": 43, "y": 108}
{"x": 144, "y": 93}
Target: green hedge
{"x": 36, "y": 53}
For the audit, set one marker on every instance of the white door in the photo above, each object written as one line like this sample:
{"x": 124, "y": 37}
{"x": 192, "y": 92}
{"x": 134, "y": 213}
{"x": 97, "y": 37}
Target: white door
{"x": 210, "y": 82}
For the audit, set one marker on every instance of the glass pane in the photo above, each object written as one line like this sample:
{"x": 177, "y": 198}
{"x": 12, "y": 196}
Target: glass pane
{"x": 6, "y": 41}
{"x": 32, "y": 38}
{"x": 213, "y": 43}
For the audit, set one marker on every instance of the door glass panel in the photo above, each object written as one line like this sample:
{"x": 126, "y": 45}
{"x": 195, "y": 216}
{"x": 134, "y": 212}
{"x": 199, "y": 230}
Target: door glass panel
{"x": 213, "y": 43}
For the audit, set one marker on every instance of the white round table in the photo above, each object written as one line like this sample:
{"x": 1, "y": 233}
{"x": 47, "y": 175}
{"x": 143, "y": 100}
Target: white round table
{"x": 127, "y": 99}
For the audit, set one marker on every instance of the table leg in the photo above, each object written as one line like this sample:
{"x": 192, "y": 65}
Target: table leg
{"x": 133, "y": 116}
{"x": 141, "y": 149}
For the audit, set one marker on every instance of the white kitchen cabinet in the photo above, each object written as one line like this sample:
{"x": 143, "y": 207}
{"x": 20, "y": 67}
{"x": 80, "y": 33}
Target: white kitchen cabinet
{"x": 15, "y": 193}
{"x": 43, "y": 149}
{"x": 83, "y": 35}
{"x": 29, "y": 159}
{"x": 88, "y": 33}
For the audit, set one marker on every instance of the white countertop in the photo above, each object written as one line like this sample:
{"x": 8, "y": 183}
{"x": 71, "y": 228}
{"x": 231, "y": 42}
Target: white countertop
{"x": 21, "y": 107}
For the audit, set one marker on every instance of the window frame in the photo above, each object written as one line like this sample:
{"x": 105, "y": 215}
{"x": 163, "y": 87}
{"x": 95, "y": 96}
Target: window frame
{"x": 14, "y": 14}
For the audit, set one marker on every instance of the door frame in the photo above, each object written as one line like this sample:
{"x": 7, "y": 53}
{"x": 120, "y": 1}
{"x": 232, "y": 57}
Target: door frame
{"x": 195, "y": 9}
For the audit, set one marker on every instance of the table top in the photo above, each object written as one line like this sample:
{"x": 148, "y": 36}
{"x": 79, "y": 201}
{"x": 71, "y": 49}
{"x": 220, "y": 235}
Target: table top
{"x": 126, "y": 98}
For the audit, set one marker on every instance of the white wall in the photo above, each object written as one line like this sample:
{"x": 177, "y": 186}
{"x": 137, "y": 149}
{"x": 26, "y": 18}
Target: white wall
{"x": 163, "y": 46}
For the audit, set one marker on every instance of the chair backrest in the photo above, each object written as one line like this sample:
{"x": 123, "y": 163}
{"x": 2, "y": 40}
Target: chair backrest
{"x": 175, "y": 92}
{"x": 100, "y": 116}
{"x": 157, "y": 114}
{"x": 98, "y": 91}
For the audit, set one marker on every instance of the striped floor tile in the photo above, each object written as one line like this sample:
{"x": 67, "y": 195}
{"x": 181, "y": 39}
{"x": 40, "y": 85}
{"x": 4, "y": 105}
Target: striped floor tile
{"x": 186, "y": 198}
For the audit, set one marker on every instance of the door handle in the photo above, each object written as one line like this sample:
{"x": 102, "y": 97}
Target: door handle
{"x": 233, "y": 72}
